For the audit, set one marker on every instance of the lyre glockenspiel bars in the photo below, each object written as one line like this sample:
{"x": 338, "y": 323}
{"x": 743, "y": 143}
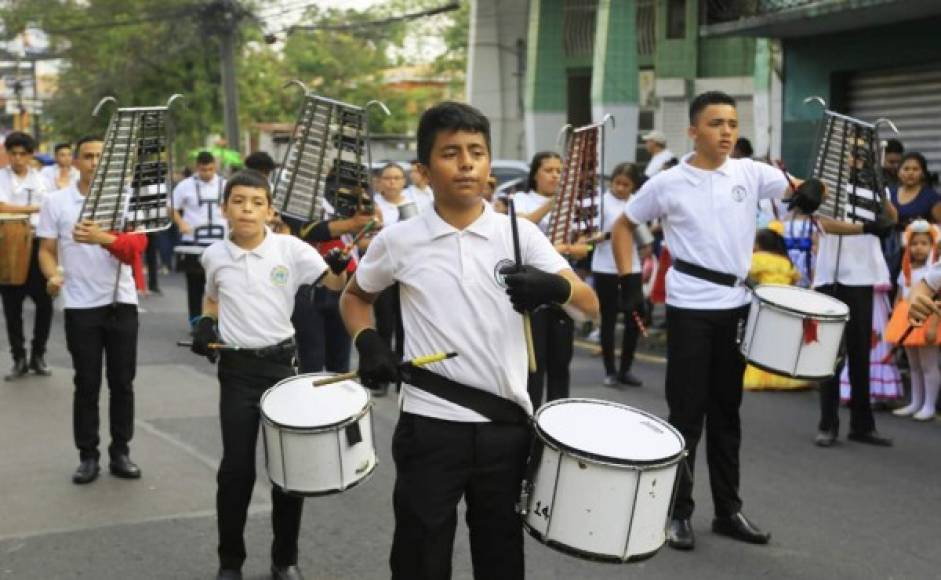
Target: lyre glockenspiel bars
{"x": 846, "y": 159}
{"x": 130, "y": 191}
{"x": 582, "y": 174}
{"x": 329, "y": 150}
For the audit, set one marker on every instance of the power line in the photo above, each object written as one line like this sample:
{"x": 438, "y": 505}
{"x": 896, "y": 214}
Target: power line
{"x": 377, "y": 23}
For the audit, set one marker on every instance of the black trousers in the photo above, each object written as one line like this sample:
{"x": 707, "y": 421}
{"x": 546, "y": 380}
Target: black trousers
{"x": 704, "y": 383}
{"x": 242, "y": 380}
{"x": 437, "y": 463}
{"x": 151, "y": 257}
{"x": 322, "y": 340}
{"x": 195, "y": 285}
{"x": 108, "y": 332}
{"x": 553, "y": 341}
{"x": 858, "y": 337}
{"x": 606, "y": 286}
{"x": 13, "y": 297}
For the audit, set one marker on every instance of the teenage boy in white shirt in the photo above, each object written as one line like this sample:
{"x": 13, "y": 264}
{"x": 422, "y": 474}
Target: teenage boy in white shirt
{"x": 710, "y": 202}
{"x": 454, "y": 266}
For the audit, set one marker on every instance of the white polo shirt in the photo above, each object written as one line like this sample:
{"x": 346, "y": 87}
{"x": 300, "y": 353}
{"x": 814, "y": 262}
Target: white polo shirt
{"x": 187, "y": 196}
{"x": 424, "y": 197}
{"x": 656, "y": 162}
{"x": 51, "y": 172}
{"x": 453, "y": 299}
{"x": 530, "y": 201}
{"x": 255, "y": 288}
{"x": 16, "y": 190}
{"x": 711, "y": 222}
{"x": 861, "y": 262}
{"x": 602, "y": 260}
{"x": 390, "y": 211}
{"x": 90, "y": 270}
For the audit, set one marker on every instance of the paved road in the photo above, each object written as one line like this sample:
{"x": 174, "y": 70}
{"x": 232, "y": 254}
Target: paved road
{"x": 852, "y": 512}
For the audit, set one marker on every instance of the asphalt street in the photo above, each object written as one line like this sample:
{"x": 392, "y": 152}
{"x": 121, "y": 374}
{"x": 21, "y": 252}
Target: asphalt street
{"x": 850, "y": 512}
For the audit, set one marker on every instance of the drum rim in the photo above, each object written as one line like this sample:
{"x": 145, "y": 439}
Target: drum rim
{"x": 585, "y": 554}
{"x": 331, "y": 491}
{"x": 598, "y": 459}
{"x": 367, "y": 408}
{"x": 789, "y": 310}
{"x": 768, "y": 369}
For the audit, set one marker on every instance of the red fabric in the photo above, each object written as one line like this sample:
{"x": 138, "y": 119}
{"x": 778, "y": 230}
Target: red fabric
{"x": 324, "y": 247}
{"x": 810, "y": 330}
{"x": 658, "y": 294}
{"x": 127, "y": 246}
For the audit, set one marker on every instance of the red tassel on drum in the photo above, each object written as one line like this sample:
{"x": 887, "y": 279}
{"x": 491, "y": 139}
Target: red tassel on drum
{"x": 810, "y": 330}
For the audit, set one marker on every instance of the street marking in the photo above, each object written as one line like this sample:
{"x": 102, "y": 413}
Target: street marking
{"x": 211, "y": 462}
{"x": 596, "y": 348}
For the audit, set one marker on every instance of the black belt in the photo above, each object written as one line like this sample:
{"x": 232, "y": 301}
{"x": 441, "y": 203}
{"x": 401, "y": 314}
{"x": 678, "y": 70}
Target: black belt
{"x": 284, "y": 350}
{"x": 707, "y": 274}
{"x": 493, "y": 407}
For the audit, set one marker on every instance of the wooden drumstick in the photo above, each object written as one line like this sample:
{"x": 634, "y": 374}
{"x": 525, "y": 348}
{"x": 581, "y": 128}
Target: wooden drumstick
{"x": 517, "y": 256}
{"x": 211, "y": 345}
{"x": 640, "y": 324}
{"x": 417, "y": 361}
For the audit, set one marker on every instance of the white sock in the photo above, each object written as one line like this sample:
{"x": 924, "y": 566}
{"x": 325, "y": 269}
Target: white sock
{"x": 932, "y": 380}
{"x": 916, "y": 374}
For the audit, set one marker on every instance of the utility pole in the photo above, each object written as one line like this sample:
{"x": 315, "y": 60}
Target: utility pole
{"x": 222, "y": 18}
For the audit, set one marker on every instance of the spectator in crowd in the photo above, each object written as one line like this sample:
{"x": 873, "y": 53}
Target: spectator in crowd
{"x": 656, "y": 144}
{"x": 60, "y": 174}
{"x": 419, "y": 191}
{"x": 891, "y": 161}
{"x": 914, "y": 198}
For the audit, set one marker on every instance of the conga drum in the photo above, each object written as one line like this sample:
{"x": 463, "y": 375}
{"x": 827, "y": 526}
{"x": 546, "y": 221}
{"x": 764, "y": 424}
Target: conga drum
{"x": 16, "y": 246}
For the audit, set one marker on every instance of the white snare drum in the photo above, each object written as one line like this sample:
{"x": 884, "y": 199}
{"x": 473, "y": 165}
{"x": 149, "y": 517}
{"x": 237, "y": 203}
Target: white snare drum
{"x": 319, "y": 440}
{"x": 602, "y": 478}
{"x": 794, "y": 331}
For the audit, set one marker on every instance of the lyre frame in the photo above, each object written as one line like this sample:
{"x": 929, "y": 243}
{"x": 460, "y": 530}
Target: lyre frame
{"x": 306, "y": 132}
{"x": 121, "y": 207}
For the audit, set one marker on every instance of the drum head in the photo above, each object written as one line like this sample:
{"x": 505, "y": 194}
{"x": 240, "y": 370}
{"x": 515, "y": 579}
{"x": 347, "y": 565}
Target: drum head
{"x": 802, "y": 300}
{"x": 609, "y": 431}
{"x": 296, "y": 403}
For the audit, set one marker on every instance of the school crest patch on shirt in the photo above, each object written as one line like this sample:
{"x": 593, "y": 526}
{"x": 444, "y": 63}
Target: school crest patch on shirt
{"x": 739, "y": 193}
{"x": 498, "y": 276}
{"x": 279, "y": 276}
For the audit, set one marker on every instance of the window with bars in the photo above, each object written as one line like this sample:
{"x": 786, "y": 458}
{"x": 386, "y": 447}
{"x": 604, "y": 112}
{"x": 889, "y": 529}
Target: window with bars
{"x": 578, "y": 28}
{"x": 646, "y": 22}
{"x": 676, "y": 19}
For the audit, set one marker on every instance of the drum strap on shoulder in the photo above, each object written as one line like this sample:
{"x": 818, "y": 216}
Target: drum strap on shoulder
{"x": 493, "y": 407}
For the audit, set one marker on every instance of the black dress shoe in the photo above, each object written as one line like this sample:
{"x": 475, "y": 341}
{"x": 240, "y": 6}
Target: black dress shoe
{"x": 38, "y": 365}
{"x": 87, "y": 471}
{"x": 122, "y": 466}
{"x": 870, "y": 438}
{"x": 626, "y": 378}
{"x": 20, "y": 368}
{"x": 737, "y": 526}
{"x": 680, "y": 534}
{"x": 825, "y": 439}
{"x": 229, "y": 574}
{"x": 286, "y": 573}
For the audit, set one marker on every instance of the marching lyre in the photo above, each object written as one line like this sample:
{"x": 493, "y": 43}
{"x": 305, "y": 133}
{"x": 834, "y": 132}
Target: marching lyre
{"x": 130, "y": 190}
{"x": 328, "y": 157}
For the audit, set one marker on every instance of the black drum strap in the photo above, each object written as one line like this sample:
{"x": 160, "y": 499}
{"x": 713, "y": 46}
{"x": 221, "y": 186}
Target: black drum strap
{"x": 493, "y": 407}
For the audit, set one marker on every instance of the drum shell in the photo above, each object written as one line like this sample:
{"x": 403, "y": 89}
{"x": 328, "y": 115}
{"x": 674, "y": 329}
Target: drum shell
{"x": 774, "y": 341}
{"x": 16, "y": 247}
{"x": 319, "y": 460}
{"x": 598, "y": 510}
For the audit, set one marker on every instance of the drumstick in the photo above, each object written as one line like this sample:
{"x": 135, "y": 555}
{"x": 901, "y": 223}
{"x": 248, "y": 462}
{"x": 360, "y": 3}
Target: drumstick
{"x": 211, "y": 345}
{"x": 417, "y": 361}
{"x": 349, "y": 247}
{"x": 517, "y": 255}
{"x": 640, "y": 324}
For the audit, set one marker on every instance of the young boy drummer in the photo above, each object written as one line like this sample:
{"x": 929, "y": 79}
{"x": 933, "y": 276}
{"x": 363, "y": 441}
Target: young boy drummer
{"x": 251, "y": 280}
{"x": 711, "y": 204}
{"x": 454, "y": 265}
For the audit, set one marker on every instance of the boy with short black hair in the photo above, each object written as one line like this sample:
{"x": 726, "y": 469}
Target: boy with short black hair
{"x": 62, "y": 173}
{"x": 454, "y": 266}
{"x": 22, "y": 190}
{"x": 251, "y": 280}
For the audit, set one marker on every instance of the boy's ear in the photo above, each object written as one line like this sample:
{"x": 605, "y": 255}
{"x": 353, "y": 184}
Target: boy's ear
{"x": 424, "y": 171}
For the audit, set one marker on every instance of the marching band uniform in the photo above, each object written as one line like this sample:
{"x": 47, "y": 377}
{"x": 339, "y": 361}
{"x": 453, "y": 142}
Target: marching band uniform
{"x": 255, "y": 291}
{"x": 199, "y": 204}
{"x": 100, "y": 321}
{"x": 710, "y": 228}
{"x": 50, "y": 174}
{"x": 442, "y": 450}
{"x": 15, "y": 191}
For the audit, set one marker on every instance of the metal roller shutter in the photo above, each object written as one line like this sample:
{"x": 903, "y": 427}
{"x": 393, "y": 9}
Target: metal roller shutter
{"x": 911, "y": 98}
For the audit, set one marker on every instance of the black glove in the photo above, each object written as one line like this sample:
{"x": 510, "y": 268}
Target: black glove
{"x": 204, "y": 334}
{"x": 336, "y": 260}
{"x": 808, "y": 196}
{"x": 377, "y": 362}
{"x": 630, "y": 293}
{"x": 529, "y": 288}
{"x": 882, "y": 227}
